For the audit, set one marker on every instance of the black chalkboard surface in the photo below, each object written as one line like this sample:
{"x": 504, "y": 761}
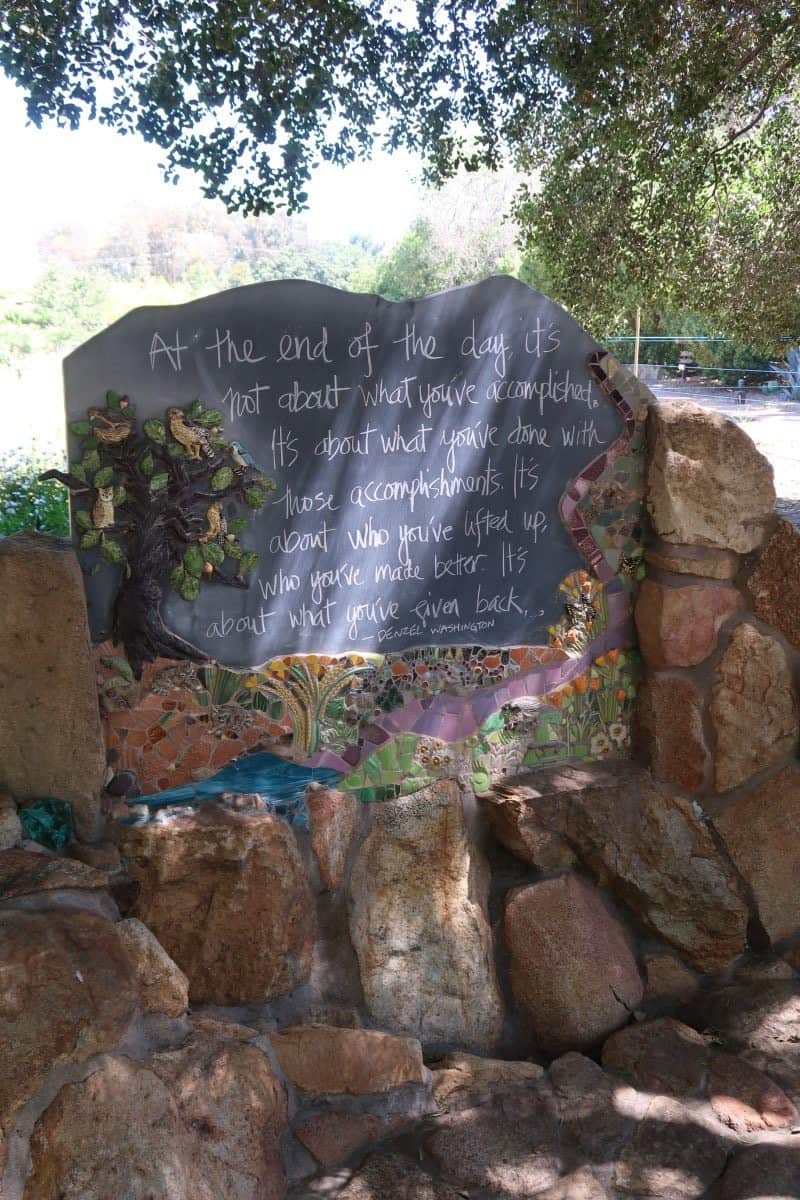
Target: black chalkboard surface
{"x": 420, "y": 451}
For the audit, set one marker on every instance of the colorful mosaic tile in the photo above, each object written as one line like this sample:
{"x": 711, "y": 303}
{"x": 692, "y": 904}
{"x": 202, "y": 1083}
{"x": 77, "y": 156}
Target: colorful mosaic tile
{"x": 392, "y": 723}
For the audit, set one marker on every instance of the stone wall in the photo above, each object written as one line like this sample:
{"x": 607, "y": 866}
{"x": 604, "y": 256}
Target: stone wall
{"x": 581, "y": 983}
{"x": 719, "y": 629}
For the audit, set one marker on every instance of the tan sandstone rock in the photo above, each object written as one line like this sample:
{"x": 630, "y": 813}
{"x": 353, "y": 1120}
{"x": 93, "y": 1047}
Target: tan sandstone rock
{"x": 760, "y": 830}
{"x": 462, "y": 1080}
{"x": 10, "y": 827}
{"x": 578, "y": 1185}
{"x": 419, "y": 926}
{"x": 673, "y": 1155}
{"x": 670, "y": 734}
{"x": 775, "y": 583}
{"x": 163, "y": 987}
{"x": 678, "y": 626}
{"x": 324, "y": 1059}
{"x": 51, "y": 739}
{"x": 334, "y": 1137}
{"x": 660, "y": 1056}
{"x": 226, "y": 895}
{"x": 707, "y": 484}
{"x": 571, "y": 965}
{"x": 67, "y": 992}
{"x": 753, "y": 708}
{"x": 639, "y": 838}
{"x": 332, "y": 816}
{"x": 508, "y": 1147}
{"x": 394, "y": 1177}
{"x": 746, "y": 1099}
{"x": 669, "y": 984}
{"x": 23, "y": 872}
{"x": 199, "y": 1123}
{"x": 103, "y": 856}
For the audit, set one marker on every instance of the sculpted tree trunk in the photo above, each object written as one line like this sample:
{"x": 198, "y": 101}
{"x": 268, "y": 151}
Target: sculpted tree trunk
{"x": 162, "y": 510}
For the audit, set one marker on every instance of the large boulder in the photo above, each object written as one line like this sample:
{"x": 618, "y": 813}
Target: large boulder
{"x": 226, "y": 895}
{"x": 775, "y": 583}
{"x": 51, "y": 739}
{"x": 463, "y": 1080}
{"x": 759, "y": 830}
{"x": 508, "y": 1146}
{"x": 660, "y": 1056}
{"x": 387, "y": 1176}
{"x": 753, "y": 708}
{"x": 670, "y": 731}
{"x": 163, "y": 987}
{"x": 765, "y": 1172}
{"x": 199, "y": 1123}
{"x": 758, "y": 1020}
{"x": 646, "y": 842}
{"x": 678, "y": 626}
{"x": 332, "y": 817}
{"x": 707, "y": 484}
{"x": 419, "y": 926}
{"x": 746, "y": 1099}
{"x": 573, "y": 973}
{"x": 674, "y": 1155}
{"x": 67, "y": 992}
{"x": 23, "y": 872}
{"x": 322, "y": 1059}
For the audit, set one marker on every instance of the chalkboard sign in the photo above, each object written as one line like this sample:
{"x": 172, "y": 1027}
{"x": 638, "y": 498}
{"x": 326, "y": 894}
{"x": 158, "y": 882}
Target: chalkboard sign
{"x": 420, "y": 452}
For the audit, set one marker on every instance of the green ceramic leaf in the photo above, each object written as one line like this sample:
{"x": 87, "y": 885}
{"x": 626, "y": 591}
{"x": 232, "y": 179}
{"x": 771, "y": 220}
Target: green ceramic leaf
{"x": 147, "y": 464}
{"x": 222, "y": 479}
{"x": 175, "y": 450}
{"x": 120, "y": 496}
{"x": 194, "y": 410}
{"x": 104, "y": 477}
{"x": 190, "y": 588}
{"x": 111, "y": 551}
{"x": 214, "y": 554}
{"x": 177, "y": 577}
{"x": 154, "y": 429}
{"x": 77, "y": 469}
{"x": 256, "y": 497}
{"x": 249, "y": 562}
{"x": 233, "y": 551}
{"x": 89, "y": 539}
{"x": 209, "y": 419}
{"x": 159, "y": 482}
{"x": 91, "y": 461}
{"x": 83, "y": 519}
{"x": 112, "y": 401}
{"x": 193, "y": 561}
{"x": 237, "y": 524}
{"x": 120, "y": 665}
{"x": 80, "y": 428}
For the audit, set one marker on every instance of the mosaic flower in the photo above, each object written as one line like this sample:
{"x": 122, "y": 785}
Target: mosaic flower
{"x": 600, "y": 746}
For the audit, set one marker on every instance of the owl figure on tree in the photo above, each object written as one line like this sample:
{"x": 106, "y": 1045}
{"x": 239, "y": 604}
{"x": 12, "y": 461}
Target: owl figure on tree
{"x": 165, "y": 505}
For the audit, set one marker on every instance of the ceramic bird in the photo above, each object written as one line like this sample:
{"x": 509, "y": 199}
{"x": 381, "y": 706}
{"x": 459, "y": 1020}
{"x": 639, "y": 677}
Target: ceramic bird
{"x": 217, "y": 525}
{"x": 103, "y": 508}
{"x": 112, "y": 429}
{"x": 193, "y": 438}
{"x": 242, "y": 459}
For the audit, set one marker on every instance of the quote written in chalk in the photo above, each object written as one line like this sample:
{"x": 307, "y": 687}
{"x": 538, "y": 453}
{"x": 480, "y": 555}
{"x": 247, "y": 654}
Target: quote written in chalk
{"x": 420, "y": 452}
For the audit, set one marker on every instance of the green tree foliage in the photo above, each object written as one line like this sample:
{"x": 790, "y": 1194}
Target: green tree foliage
{"x": 659, "y": 136}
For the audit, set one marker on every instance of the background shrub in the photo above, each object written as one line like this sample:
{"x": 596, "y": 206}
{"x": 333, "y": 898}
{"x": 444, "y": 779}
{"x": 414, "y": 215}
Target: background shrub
{"x": 24, "y": 502}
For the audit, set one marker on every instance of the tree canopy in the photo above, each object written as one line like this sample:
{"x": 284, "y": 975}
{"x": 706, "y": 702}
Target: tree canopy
{"x": 659, "y": 136}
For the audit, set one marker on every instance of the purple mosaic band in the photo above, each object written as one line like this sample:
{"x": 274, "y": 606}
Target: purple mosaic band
{"x": 454, "y": 718}
{"x": 568, "y": 507}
